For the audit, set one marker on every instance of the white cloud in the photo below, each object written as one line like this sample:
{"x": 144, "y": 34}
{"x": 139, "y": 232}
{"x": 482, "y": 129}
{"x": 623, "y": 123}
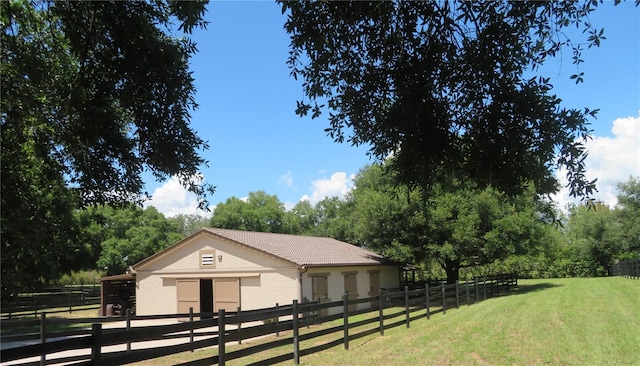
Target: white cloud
{"x": 286, "y": 179}
{"x": 338, "y": 185}
{"x": 610, "y": 160}
{"x": 288, "y": 205}
{"x": 173, "y": 199}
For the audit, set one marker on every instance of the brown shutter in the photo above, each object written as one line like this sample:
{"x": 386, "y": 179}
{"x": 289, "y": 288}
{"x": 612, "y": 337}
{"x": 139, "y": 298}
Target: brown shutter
{"x": 351, "y": 288}
{"x": 374, "y": 286}
{"x": 320, "y": 292}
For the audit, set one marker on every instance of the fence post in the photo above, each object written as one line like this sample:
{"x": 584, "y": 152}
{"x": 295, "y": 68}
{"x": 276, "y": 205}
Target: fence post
{"x": 239, "y": 325}
{"x": 406, "y": 305}
{"x": 43, "y": 336}
{"x": 426, "y": 292}
{"x": 296, "y": 333}
{"x": 306, "y": 314}
{"x": 484, "y": 287}
{"x": 457, "y": 295}
{"x": 190, "y": 329}
{"x": 466, "y": 285}
{"x": 475, "y": 281}
{"x": 35, "y": 306}
{"x": 380, "y": 312}
{"x": 277, "y": 322}
{"x": 444, "y": 298}
{"x": 69, "y": 292}
{"x": 128, "y": 315}
{"x": 221, "y": 336}
{"x": 96, "y": 346}
{"x": 345, "y": 320}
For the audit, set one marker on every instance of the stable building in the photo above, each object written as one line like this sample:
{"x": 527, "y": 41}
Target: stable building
{"x": 230, "y": 269}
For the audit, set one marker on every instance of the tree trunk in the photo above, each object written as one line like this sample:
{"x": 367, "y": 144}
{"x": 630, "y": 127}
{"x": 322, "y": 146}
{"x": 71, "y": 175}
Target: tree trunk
{"x": 452, "y": 268}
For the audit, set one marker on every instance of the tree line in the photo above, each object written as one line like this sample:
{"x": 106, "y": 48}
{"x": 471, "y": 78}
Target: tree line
{"x": 459, "y": 232}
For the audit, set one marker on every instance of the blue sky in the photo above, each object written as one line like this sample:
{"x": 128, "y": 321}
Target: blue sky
{"x": 247, "y": 99}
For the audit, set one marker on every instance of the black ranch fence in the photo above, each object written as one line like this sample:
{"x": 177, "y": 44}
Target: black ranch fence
{"x": 628, "y": 268}
{"x": 388, "y": 309}
{"x": 53, "y": 300}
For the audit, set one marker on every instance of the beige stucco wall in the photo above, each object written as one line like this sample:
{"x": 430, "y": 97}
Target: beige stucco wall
{"x": 264, "y": 280}
{"x": 270, "y": 288}
{"x": 389, "y": 278}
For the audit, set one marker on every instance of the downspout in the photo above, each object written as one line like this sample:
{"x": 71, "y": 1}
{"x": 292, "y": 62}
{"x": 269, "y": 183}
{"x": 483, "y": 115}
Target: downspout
{"x": 301, "y": 271}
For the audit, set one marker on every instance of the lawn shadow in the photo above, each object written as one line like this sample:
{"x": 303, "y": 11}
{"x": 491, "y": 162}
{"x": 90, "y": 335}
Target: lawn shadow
{"x": 526, "y": 289}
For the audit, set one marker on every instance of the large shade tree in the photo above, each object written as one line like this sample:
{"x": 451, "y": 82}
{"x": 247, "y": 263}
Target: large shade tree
{"x": 592, "y": 241}
{"x": 259, "y": 212}
{"x": 447, "y": 86}
{"x": 458, "y": 226}
{"x": 628, "y": 216}
{"x": 132, "y": 234}
{"x": 596, "y": 238}
{"x": 94, "y": 94}
{"x": 189, "y": 223}
{"x": 327, "y": 217}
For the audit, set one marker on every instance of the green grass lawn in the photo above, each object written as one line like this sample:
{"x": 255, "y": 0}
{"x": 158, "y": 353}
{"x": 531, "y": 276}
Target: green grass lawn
{"x": 583, "y": 321}
{"x": 592, "y": 321}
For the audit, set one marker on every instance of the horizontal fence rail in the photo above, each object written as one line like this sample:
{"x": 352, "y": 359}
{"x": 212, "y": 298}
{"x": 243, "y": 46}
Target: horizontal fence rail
{"x": 390, "y": 308}
{"x": 52, "y": 300}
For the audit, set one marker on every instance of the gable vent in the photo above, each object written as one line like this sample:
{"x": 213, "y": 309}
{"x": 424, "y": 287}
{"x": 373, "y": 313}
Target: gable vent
{"x": 207, "y": 258}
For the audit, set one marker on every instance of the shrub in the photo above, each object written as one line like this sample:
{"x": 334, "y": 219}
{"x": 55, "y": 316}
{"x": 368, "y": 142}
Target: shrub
{"x": 80, "y": 277}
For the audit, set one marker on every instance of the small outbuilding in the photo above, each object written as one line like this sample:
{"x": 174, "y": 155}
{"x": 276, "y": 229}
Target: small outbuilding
{"x": 117, "y": 294}
{"x": 220, "y": 268}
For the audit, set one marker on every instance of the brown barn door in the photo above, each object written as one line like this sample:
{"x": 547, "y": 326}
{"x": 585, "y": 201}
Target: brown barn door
{"x": 351, "y": 288}
{"x": 374, "y": 287}
{"x": 188, "y": 296}
{"x": 320, "y": 292}
{"x": 226, "y": 294}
